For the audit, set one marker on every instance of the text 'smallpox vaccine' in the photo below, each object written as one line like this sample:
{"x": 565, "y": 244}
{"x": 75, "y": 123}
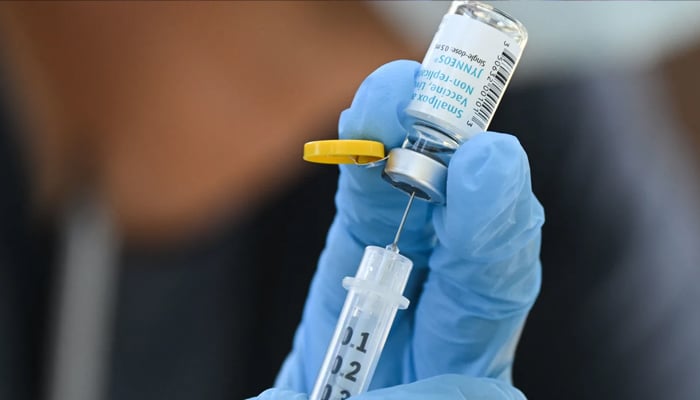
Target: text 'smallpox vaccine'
{"x": 458, "y": 87}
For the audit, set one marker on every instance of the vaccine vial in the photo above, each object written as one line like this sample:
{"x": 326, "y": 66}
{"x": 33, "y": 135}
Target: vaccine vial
{"x": 458, "y": 87}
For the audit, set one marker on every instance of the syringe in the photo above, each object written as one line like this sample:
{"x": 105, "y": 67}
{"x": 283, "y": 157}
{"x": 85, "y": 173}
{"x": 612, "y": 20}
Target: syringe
{"x": 374, "y": 296}
{"x": 458, "y": 87}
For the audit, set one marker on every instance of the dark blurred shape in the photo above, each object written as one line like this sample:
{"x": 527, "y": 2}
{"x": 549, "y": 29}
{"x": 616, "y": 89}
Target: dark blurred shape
{"x": 187, "y": 119}
{"x": 26, "y": 248}
{"x": 214, "y": 318}
{"x": 211, "y": 315}
{"x": 617, "y": 316}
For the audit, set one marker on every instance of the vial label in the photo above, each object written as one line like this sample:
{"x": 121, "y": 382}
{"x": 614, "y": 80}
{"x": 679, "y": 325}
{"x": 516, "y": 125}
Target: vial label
{"x": 463, "y": 76}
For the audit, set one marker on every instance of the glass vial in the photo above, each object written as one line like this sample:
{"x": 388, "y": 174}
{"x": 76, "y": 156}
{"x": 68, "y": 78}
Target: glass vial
{"x": 458, "y": 87}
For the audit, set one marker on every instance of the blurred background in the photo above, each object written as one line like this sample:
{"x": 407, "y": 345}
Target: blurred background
{"x": 155, "y": 238}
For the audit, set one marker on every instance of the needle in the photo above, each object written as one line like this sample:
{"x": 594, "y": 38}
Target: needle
{"x": 394, "y": 246}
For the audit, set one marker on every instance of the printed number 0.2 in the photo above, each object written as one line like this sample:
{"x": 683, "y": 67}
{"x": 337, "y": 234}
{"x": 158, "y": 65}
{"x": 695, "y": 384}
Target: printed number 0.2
{"x": 356, "y": 366}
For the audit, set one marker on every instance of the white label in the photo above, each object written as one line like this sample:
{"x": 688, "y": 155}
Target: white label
{"x": 463, "y": 76}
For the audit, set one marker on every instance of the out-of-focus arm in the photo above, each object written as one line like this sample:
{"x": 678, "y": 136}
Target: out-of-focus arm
{"x": 177, "y": 111}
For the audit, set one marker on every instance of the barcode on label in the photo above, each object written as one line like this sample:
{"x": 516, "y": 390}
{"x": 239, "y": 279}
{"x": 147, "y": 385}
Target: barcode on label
{"x": 493, "y": 90}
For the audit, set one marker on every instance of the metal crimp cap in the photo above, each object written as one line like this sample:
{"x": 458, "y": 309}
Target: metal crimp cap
{"x": 414, "y": 172}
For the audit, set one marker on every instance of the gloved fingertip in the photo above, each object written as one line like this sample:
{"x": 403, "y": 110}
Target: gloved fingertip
{"x": 376, "y": 112}
{"x": 486, "y": 388}
{"x": 488, "y": 185}
{"x": 399, "y": 74}
{"x": 492, "y": 164}
{"x": 509, "y": 392}
{"x": 489, "y": 158}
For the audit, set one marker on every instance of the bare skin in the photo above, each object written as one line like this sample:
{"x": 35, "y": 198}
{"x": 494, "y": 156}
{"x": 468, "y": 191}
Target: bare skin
{"x": 177, "y": 113}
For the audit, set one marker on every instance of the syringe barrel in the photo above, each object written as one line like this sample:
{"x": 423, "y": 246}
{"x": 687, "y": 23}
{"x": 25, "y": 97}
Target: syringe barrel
{"x": 374, "y": 296}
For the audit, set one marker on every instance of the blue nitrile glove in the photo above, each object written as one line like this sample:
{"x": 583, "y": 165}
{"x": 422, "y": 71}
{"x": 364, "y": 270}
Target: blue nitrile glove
{"x": 476, "y": 261}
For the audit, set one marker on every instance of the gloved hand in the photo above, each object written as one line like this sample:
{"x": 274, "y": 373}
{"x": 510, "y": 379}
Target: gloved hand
{"x": 476, "y": 261}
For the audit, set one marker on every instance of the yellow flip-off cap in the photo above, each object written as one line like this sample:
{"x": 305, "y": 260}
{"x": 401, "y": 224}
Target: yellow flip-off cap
{"x": 343, "y": 151}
